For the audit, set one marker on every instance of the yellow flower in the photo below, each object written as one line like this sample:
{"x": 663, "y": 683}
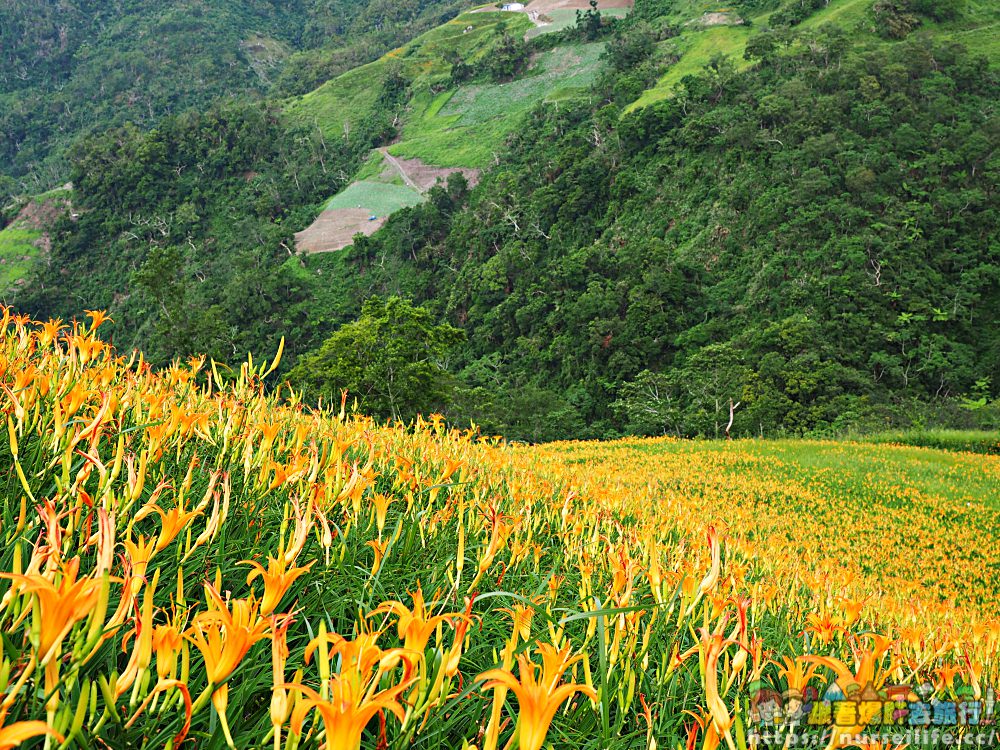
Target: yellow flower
{"x": 60, "y": 605}
{"x": 538, "y": 698}
{"x": 278, "y": 578}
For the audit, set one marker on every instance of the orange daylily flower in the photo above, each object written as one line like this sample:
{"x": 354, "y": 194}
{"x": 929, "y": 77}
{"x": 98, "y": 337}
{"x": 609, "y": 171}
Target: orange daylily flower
{"x": 712, "y": 646}
{"x": 538, "y": 697}
{"x": 224, "y": 637}
{"x": 172, "y": 522}
{"x": 353, "y": 694}
{"x": 14, "y": 734}
{"x": 97, "y": 318}
{"x": 277, "y": 578}
{"x": 415, "y": 626}
{"x": 867, "y": 675}
{"x": 60, "y": 605}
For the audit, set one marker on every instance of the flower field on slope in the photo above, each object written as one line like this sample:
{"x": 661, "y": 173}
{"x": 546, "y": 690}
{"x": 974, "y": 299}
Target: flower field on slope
{"x": 191, "y": 560}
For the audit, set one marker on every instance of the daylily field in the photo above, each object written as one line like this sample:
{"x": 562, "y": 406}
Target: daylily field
{"x": 192, "y": 558}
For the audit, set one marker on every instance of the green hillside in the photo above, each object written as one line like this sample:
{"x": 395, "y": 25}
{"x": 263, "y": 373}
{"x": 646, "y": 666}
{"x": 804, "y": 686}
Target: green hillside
{"x": 446, "y": 124}
{"x": 68, "y": 67}
{"x": 786, "y": 204}
{"x": 808, "y": 229}
{"x": 349, "y": 98}
{"x": 977, "y": 28}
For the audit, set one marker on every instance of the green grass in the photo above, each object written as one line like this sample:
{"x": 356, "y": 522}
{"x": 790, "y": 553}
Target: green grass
{"x": 17, "y": 254}
{"x": 381, "y": 198}
{"x": 970, "y": 441}
{"x": 696, "y": 50}
{"x": 466, "y": 126}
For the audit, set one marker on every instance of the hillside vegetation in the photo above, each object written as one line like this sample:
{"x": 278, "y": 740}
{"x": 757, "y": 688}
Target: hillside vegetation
{"x": 769, "y": 237}
{"x": 73, "y": 66}
{"x": 790, "y": 206}
{"x": 191, "y": 558}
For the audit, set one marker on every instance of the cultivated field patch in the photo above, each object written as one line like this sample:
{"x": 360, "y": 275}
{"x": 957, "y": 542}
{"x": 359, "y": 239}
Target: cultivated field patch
{"x": 467, "y": 127}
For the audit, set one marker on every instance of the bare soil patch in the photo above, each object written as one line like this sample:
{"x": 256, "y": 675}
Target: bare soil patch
{"x": 334, "y": 229}
{"x": 41, "y": 214}
{"x": 424, "y": 176}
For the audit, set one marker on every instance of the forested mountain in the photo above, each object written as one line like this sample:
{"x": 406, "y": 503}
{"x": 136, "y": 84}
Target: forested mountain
{"x": 816, "y": 238}
{"x": 790, "y": 205}
{"x": 72, "y": 66}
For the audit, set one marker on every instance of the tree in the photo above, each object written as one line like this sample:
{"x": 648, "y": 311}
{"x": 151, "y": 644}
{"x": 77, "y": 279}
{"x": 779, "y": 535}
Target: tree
{"x": 393, "y": 359}
{"x": 589, "y": 23}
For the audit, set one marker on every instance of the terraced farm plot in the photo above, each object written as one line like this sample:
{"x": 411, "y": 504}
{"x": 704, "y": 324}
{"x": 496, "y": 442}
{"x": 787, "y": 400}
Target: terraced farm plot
{"x": 385, "y": 185}
{"x": 361, "y": 208}
{"x": 379, "y": 198}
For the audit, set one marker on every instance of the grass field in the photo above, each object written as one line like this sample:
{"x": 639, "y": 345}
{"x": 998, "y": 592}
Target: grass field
{"x": 381, "y": 198}
{"x": 467, "y": 126}
{"x": 17, "y": 254}
{"x": 191, "y": 557}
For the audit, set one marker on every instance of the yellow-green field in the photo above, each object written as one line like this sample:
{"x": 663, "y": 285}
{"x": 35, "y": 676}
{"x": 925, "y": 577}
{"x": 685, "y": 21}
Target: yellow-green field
{"x": 191, "y": 558}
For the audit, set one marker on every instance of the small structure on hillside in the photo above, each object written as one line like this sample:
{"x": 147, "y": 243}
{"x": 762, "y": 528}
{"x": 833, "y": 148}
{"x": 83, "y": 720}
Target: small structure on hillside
{"x": 512, "y": 6}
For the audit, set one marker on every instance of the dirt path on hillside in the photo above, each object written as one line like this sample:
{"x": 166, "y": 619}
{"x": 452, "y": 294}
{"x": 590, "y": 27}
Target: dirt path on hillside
{"x": 399, "y": 169}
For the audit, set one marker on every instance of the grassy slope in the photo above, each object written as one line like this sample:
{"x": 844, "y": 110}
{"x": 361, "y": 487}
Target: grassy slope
{"x": 17, "y": 253}
{"x": 978, "y": 29}
{"x": 19, "y": 249}
{"x": 451, "y": 127}
{"x": 462, "y": 128}
{"x": 350, "y": 97}
{"x": 696, "y": 49}
{"x": 381, "y": 198}
{"x": 454, "y": 127}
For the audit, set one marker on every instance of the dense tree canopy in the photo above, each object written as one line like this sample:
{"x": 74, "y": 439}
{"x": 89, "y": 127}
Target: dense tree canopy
{"x": 393, "y": 359}
{"x": 826, "y": 223}
{"x": 68, "y": 67}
